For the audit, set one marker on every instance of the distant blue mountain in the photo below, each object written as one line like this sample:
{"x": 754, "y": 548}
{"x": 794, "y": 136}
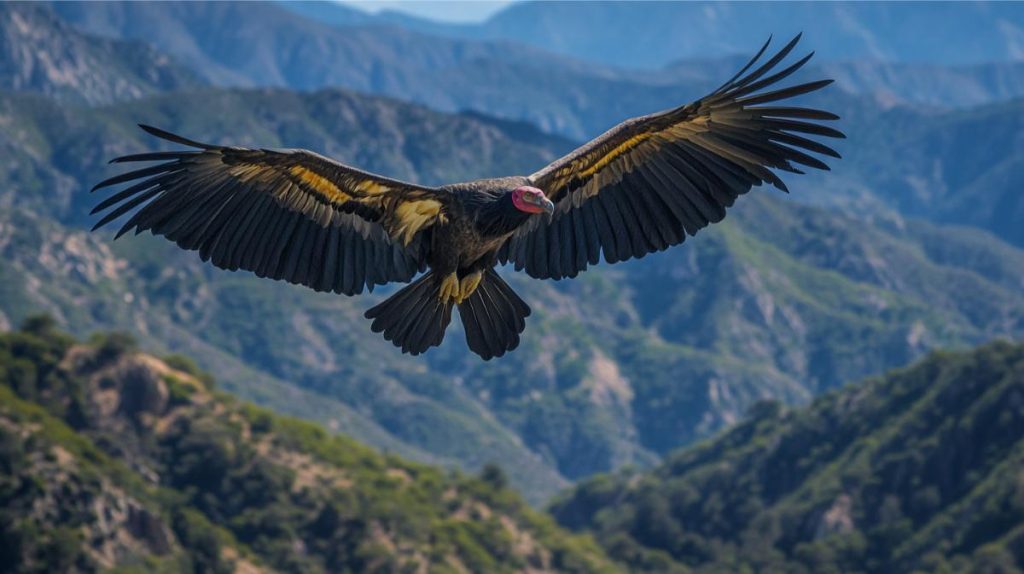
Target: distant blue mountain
{"x": 652, "y": 34}
{"x": 333, "y": 13}
{"x": 311, "y": 45}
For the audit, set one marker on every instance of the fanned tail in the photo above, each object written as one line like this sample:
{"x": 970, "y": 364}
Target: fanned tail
{"x": 414, "y": 319}
{"x": 493, "y": 317}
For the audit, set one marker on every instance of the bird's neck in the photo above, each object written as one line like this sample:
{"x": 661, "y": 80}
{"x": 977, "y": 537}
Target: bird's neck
{"x": 500, "y": 217}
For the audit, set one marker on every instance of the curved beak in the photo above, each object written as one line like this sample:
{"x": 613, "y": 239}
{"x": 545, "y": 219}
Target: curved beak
{"x": 539, "y": 202}
{"x": 547, "y": 206}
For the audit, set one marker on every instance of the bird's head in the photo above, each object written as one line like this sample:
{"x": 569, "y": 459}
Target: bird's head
{"x": 531, "y": 200}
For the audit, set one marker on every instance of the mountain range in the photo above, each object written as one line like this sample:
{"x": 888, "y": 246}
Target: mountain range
{"x": 652, "y": 34}
{"x": 915, "y": 471}
{"x": 913, "y": 243}
{"x": 270, "y": 45}
{"x": 962, "y": 167}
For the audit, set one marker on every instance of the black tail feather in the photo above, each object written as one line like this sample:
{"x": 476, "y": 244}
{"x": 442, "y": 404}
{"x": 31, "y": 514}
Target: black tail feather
{"x": 414, "y": 319}
{"x": 493, "y": 317}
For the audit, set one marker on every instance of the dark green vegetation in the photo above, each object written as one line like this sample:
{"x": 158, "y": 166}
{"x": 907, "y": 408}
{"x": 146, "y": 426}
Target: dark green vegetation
{"x": 916, "y": 471}
{"x": 115, "y": 459}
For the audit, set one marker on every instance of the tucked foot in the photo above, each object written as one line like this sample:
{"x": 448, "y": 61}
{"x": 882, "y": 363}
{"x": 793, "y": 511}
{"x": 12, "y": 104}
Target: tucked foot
{"x": 468, "y": 284}
{"x": 449, "y": 288}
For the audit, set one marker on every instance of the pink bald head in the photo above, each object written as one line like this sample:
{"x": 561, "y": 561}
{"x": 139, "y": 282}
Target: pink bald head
{"x": 531, "y": 200}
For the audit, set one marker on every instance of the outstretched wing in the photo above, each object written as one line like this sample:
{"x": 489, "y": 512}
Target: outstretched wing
{"x": 283, "y": 214}
{"x": 649, "y": 182}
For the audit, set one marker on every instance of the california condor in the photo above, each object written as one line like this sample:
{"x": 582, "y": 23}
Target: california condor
{"x": 641, "y": 187}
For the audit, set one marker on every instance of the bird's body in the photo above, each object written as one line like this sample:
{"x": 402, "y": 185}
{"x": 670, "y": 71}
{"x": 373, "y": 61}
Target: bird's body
{"x": 481, "y": 218}
{"x": 641, "y": 187}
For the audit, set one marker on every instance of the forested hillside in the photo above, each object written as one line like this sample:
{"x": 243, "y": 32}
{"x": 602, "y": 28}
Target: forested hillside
{"x": 112, "y": 458}
{"x": 916, "y": 471}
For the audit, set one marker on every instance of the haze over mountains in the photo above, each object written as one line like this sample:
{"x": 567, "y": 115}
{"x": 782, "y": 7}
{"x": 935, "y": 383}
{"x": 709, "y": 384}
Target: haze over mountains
{"x": 652, "y": 34}
{"x": 269, "y": 45}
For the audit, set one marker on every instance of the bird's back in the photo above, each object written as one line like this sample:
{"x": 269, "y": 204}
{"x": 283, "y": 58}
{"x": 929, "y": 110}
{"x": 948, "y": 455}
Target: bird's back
{"x": 485, "y": 188}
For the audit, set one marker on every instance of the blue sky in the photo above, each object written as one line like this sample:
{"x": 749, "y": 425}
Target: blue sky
{"x": 446, "y": 11}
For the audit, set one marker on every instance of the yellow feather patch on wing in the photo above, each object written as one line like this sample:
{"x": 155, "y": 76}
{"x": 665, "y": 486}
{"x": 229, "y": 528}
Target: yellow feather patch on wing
{"x": 623, "y": 158}
{"x": 371, "y": 187}
{"x": 411, "y": 216}
{"x": 614, "y": 153}
{"x": 321, "y": 184}
{"x": 579, "y": 169}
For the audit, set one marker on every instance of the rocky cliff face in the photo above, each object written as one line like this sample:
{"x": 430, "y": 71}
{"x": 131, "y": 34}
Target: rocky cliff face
{"x": 40, "y": 53}
{"x": 77, "y": 516}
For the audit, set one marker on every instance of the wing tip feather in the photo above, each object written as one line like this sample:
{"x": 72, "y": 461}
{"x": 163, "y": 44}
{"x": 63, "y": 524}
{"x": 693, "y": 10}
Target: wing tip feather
{"x": 166, "y": 135}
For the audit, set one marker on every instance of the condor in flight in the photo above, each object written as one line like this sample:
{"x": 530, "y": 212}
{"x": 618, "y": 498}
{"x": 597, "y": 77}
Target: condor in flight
{"x": 641, "y": 187}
